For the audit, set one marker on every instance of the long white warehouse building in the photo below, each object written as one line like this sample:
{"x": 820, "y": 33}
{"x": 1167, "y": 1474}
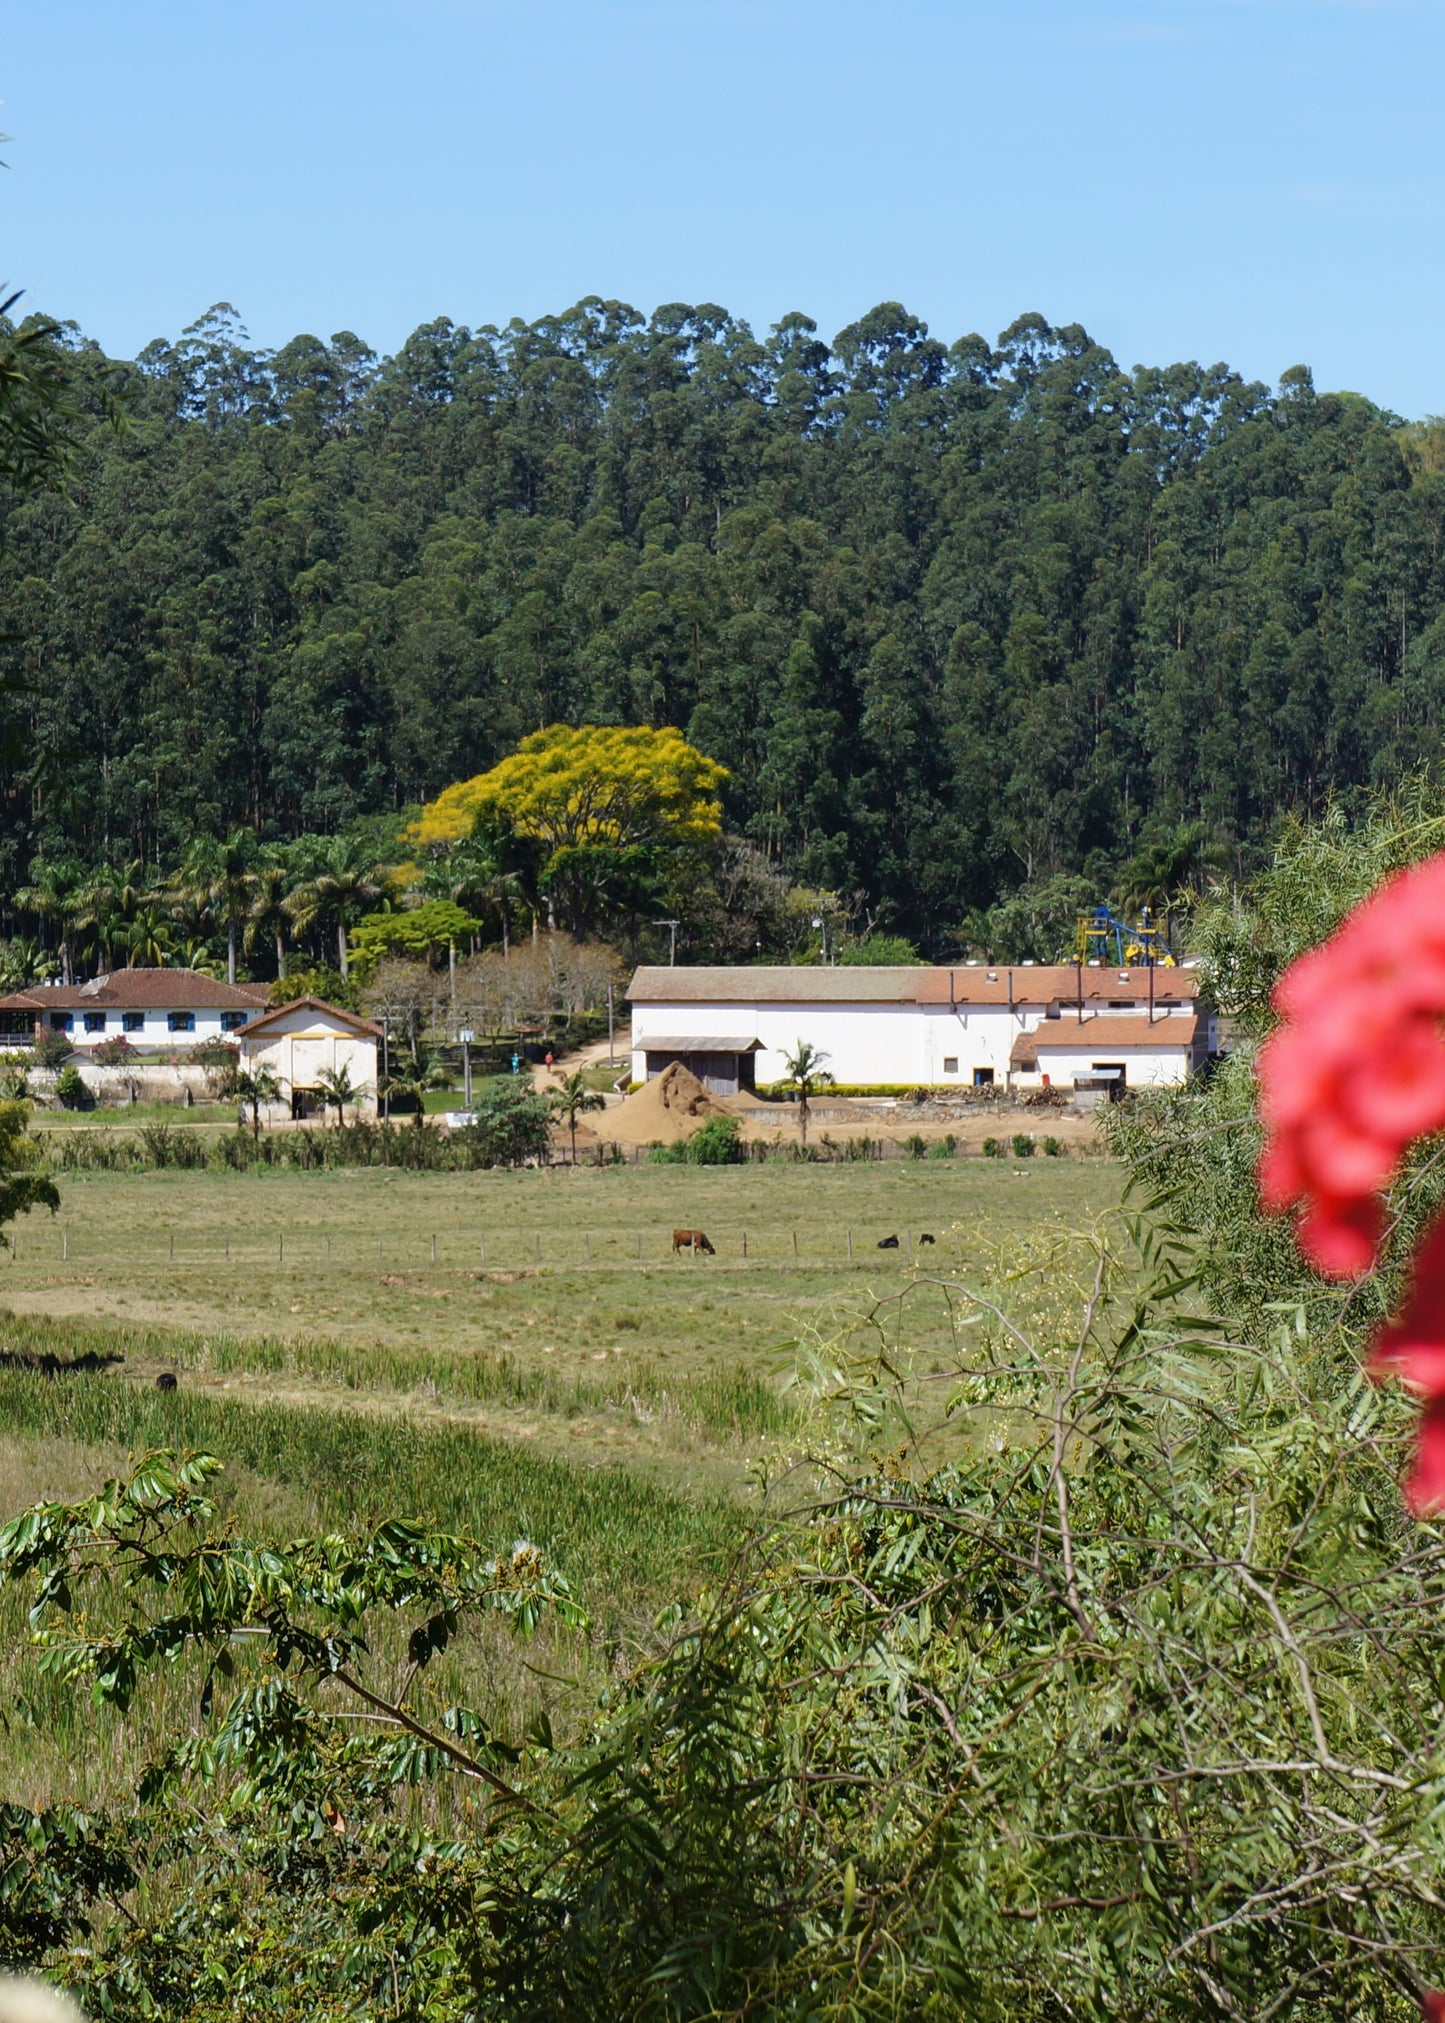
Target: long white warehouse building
{"x": 1065, "y": 1024}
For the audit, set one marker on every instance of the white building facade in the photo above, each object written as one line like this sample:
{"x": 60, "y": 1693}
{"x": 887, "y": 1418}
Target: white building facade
{"x": 1035, "y": 1025}
{"x": 153, "y": 1010}
{"x": 299, "y": 1043}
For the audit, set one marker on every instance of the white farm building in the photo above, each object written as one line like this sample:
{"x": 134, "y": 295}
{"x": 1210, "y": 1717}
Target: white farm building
{"x": 1066, "y": 1025}
{"x": 298, "y": 1043}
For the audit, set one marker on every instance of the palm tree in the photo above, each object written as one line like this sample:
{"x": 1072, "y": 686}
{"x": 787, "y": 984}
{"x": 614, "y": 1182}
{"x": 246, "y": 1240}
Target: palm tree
{"x": 804, "y": 1072}
{"x": 147, "y": 941}
{"x": 337, "y": 1087}
{"x": 348, "y": 883}
{"x": 217, "y": 877}
{"x": 53, "y": 895}
{"x": 570, "y": 1099}
{"x": 256, "y": 1086}
{"x": 273, "y": 884}
{"x": 413, "y": 1076}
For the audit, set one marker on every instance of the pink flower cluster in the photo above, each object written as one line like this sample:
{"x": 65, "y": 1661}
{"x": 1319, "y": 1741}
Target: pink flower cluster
{"x": 1353, "y": 1075}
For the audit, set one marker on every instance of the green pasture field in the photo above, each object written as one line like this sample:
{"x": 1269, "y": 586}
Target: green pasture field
{"x": 605, "y": 1406}
{"x": 545, "y": 1306}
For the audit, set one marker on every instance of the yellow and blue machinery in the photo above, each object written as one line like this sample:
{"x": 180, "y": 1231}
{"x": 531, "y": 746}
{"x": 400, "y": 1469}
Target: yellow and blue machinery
{"x": 1101, "y": 936}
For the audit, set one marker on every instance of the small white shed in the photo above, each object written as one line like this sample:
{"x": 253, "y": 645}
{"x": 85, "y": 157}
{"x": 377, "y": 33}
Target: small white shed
{"x": 301, "y": 1042}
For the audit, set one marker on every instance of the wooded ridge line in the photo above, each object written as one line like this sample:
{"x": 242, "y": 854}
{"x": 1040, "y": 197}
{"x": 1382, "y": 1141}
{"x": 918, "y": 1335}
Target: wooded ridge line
{"x": 969, "y": 626}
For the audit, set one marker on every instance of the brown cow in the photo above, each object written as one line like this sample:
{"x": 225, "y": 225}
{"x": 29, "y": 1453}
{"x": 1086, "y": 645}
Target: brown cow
{"x": 691, "y": 1239}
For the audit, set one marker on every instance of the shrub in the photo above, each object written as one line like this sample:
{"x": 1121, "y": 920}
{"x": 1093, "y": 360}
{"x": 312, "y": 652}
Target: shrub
{"x": 992, "y": 1148}
{"x": 659, "y": 1154}
{"x": 51, "y": 1049}
{"x": 164, "y": 1146}
{"x": 718, "y": 1142}
{"x": 70, "y": 1090}
{"x": 221, "y": 1060}
{"x": 316, "y": 981}
{"x": 15, "y": 1082}
{"x": 1023, "y": 1146}
{"x": 945, "y": 1148}
{"x": 116, "y": 1052}
{"x": 915, "y": 1146}
{"x": 1053, "y": 1148}
{"x": 513, "y": 1124}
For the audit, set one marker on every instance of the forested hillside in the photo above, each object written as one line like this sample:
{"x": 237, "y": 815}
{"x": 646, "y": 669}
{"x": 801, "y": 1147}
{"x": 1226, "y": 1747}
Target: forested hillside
{"x": 956, "y": 619}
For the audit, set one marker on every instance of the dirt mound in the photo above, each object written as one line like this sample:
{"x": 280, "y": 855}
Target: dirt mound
{"x": 669, "y": 1109}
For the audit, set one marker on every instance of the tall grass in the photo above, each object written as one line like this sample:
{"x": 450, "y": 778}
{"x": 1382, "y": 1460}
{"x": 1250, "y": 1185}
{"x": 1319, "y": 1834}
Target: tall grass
{"x": 727, "y": 1403}
{"x": 616, "y": 1534}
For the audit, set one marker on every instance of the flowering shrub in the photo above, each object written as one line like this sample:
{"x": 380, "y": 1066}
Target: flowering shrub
{"x": 1354, "y": 1074}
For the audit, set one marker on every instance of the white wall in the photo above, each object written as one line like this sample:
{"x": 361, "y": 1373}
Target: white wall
{"x": 1155, "y": 1067}
{"x": 305, "y": 1044}
{"x": 155, "y": 1031}
{"x": 897, "y": 1043}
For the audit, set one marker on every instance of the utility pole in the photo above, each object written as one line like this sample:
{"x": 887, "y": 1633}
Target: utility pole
{"x": 821, "y": 924}
{"x": 672, "y": 951}
{"x": 466, "y": 1037}
{"x": 611, "y": 1049}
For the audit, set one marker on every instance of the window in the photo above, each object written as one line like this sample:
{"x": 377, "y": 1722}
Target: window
{"x": 983, "y": 1078}
{"x": 181, "y": 1022}
{"x": 133, "y": 1022}
{"x": 230, "y": 1020}
{"x": 95, "y": 1022}
{"x": 950, "y": 1064}
{"x": 61, "y": 1022}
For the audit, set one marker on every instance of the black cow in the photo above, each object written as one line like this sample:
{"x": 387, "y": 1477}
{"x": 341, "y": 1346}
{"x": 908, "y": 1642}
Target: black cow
{"x": 888, "y": 1243}
{"x": 925, "y": 1238}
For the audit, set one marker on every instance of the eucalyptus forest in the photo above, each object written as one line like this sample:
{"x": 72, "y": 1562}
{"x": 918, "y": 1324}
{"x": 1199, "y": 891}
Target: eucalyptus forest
{"x": 972, "y": 627}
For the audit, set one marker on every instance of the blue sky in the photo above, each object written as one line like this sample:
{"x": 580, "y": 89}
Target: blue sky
{"x": 1254, "y": 180}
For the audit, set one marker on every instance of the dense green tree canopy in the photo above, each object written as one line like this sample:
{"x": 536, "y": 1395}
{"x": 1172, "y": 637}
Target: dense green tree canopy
{"x": 955, "y": 619}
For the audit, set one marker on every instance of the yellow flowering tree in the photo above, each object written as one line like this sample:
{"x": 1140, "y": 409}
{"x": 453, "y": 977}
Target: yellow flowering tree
{"x": 593, "y": 805}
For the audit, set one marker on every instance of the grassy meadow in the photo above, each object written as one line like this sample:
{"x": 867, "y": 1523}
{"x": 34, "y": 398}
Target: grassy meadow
{"x": 503, "y": 1354}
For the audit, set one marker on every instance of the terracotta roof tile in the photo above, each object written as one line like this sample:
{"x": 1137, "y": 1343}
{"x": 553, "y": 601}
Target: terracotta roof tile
{"x": 1035, "y": 984}
{"x": 141, "y": 990}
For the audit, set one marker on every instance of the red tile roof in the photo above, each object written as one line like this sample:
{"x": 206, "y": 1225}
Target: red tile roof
{"x": 357, "y": 1025}
{"x": 1036, "y": 984}
{"x": 141, "y": 990}
{"x": 1122, "y": 1029}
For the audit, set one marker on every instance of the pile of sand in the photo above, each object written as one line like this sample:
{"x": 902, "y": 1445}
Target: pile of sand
{"x": 669, "y": 1109}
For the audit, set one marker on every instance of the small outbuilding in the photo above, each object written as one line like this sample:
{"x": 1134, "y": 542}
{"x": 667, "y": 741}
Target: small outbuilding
{"x": 302, "y": 1041}
{"x": 723, "y": 1065}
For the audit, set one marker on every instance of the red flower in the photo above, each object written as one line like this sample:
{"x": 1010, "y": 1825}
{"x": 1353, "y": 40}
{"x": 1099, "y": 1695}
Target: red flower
{"x": 1432, "y": 2006}
{"x": 1353, "y": 1075}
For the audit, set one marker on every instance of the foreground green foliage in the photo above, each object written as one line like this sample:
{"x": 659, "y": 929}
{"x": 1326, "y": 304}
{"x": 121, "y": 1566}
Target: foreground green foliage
{"x": 1132, "y": 1712}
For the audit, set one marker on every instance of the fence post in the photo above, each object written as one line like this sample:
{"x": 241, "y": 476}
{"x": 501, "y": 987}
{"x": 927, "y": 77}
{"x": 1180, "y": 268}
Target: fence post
{"x": 280, "y": 1250}
{"x": 850, "y": 1246}
{"x": 173, "y": 1246}
{"x": 482, "y": 1247}
{"x": 433, "y": 1250}
{"x": 795, "y": 1243}
{"x": 639, "y": 1247}
{"x": 328, "y": 1250}
{"x": 745, "y": 1243}
{"x": 537, "y": 1248}
{"x": 64, "y": 1243}
{"x": 587, "y": 1246}
{"x": 378, "y": 1250}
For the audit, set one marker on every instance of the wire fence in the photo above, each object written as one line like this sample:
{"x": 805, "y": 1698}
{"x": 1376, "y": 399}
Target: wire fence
{"x": 558, "y": 1247}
